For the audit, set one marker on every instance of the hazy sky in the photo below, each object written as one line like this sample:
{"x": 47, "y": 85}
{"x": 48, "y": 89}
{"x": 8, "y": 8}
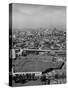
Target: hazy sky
{"x": 38, "y": 16}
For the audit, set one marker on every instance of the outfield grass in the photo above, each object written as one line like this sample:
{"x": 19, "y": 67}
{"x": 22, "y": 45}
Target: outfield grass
{"x": 34, "y": 63}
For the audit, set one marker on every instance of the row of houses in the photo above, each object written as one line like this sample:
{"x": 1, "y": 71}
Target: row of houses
{"x": 37, "y": 40}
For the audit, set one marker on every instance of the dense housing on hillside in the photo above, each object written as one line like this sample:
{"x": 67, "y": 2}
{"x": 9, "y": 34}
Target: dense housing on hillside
{"x": 39, "y": 39}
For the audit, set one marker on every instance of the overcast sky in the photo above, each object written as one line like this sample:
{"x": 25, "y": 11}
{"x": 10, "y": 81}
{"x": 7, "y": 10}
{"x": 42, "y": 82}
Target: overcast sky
{"x": 38, "y": 16}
